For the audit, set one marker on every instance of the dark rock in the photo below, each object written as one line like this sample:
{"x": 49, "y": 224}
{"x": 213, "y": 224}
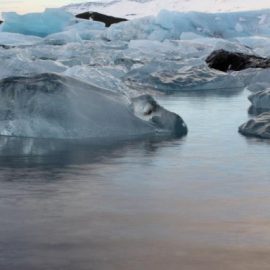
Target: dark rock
{"x": 224, "y": 61}
{"x": 95, "y": 16}
{"x": 1, "y": 22}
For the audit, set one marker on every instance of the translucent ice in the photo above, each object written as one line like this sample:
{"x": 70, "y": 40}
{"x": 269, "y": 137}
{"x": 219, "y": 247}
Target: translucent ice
{"x": 169, "y": 76}
{"x": 13, "y": 39}
{"x": 260, "y": 101}
{"x": 54, "y": 106}
{"x": 172, "y": 25}
{"x": 257, "y": 127}
{"x": 37, "y": 24}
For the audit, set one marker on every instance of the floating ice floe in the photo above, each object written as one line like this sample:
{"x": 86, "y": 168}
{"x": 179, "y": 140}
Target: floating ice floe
{"x": 54, "y": 106}
{"x": 257, "y": 127}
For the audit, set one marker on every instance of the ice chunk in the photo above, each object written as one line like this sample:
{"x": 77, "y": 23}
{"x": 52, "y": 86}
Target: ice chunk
{"x": 260, "y": 101}
{"x": 255, "y": 79}
{"x": 257, "y": 127}
{"x": 63, "y": 38}
{"x": 13, "y": 39}
{"x": 37, "y": 24}
{"x": 54, "y": 106}
{"x": 88, "y": 30}
{"x": 167, "y": 76}
{"x": 19, "y": 62}
{"x": 260, "y": 45}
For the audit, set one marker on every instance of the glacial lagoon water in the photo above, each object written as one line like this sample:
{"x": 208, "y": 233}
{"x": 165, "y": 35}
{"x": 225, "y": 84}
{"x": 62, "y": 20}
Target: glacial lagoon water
{"x": 200, "y": 202}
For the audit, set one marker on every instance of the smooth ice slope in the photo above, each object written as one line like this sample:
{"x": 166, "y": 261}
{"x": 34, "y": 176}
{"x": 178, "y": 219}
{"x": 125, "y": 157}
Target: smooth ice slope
{"x": 54, "y": 106}
{"x": 37, "y": 24}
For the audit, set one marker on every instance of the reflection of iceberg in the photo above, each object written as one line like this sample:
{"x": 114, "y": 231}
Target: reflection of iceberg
{"x": 54, "y": 106}
{"x": 21, "y": 152}
{"x": 38, "y": 24}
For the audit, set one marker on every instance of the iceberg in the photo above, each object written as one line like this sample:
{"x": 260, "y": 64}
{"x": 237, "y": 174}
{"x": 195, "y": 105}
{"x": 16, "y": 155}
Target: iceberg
{"x": 260, "y": 101}
{"x": 37, "y": 24}
{"x": 257, "y": 127}
{"x": 169, "y": 77}
{"x": 54, "y": 106}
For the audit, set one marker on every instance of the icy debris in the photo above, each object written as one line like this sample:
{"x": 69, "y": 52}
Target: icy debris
{"x": 37, "y": 24}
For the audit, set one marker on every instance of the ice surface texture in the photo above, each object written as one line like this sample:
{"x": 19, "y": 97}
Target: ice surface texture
{"x": 37, "y": 24}
{"x": 166, "y": 25}
{"x": 257, "y": 127}
{"x": 54, "y": 106}
{"x": 171, "y": 25}
{"x": 260, "y": 101}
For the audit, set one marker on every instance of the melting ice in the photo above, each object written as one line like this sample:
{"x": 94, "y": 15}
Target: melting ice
{"x": 165, "y": 54}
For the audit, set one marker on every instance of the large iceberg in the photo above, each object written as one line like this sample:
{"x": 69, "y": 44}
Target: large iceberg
{"x": 37, "y": 24}
{"x": 54, "y": 106}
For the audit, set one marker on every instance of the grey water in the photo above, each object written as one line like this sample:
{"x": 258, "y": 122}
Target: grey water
{"x": 200, "y": 202}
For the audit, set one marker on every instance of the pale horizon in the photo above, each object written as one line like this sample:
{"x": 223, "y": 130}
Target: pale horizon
{"x": 28, "y": 6}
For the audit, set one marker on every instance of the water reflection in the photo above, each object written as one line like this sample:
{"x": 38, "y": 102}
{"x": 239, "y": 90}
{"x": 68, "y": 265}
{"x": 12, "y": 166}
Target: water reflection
{"x": 32, "y": 152}
{"x": 201, "y": 202}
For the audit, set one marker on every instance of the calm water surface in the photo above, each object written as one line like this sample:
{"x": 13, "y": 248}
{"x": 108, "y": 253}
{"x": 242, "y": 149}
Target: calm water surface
{"x": 201, "y": 202}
